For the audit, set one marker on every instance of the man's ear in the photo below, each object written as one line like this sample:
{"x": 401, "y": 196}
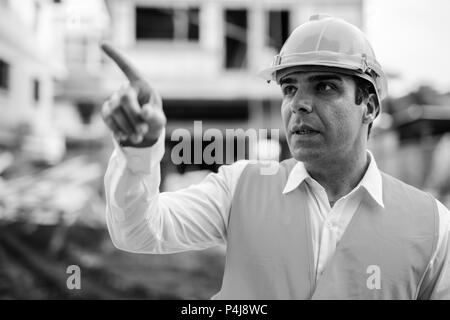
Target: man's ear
{"x": 372, "y": 108}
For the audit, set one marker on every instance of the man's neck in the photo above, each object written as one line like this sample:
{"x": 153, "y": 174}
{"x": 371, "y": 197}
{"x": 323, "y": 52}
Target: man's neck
{"x": 339, "y": 176}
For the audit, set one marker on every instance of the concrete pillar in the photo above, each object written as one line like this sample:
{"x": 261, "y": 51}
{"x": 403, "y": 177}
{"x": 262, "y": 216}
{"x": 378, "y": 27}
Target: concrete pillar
{"x": 256, "y": 36}
{"x": 123, "y": 22}
{"x": 212, "y": 31}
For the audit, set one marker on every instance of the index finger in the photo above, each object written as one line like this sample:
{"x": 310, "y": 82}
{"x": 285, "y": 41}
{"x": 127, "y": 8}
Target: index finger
{"x": 124, "y": 64}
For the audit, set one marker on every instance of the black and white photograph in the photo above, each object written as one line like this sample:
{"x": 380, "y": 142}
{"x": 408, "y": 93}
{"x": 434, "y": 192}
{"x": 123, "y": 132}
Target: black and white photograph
{"x": 236, "y": 150}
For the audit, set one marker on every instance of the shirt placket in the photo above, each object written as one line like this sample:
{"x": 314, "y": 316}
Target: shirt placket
{"x": 329, "y": 238}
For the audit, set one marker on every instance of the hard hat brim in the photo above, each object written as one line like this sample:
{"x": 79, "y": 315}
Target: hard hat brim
{"x": 271, "y": 72}
{"x": 276, "y": 72}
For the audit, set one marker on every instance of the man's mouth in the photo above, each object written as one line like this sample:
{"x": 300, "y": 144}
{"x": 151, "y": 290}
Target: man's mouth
{"x": 303, "y": 130}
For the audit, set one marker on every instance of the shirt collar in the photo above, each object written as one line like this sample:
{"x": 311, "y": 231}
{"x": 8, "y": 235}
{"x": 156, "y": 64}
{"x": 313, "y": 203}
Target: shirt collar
{"x": 371, "y": 180}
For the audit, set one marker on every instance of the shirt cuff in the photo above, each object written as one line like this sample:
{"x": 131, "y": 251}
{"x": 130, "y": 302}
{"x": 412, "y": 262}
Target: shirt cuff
{"x": 142, "y": 160}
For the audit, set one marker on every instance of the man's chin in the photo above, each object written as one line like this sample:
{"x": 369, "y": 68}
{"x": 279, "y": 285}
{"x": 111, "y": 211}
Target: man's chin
{"x": 305, "y": 155}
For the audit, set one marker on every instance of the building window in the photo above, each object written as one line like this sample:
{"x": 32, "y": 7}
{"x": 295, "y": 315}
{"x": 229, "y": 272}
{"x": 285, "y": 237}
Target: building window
{"x": 86, "y": 111}
{"x": 4, "y": 75}
{"x": 206, "y": 110}
{"x": 236, "y": 39}
{"x": 167, "y": 24}
{"x": 36, "y": 90}
{"x": 277, "y": 28}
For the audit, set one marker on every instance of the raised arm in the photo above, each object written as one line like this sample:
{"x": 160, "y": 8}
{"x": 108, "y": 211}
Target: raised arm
{"x": 139, "y": 217}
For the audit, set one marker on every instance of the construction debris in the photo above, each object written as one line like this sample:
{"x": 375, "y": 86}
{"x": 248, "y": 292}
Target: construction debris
{"x": 54, "y": 217}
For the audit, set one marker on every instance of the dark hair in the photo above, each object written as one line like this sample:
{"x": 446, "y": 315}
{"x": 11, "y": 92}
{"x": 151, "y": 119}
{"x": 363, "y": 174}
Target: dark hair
{"x": 363, "y": 89}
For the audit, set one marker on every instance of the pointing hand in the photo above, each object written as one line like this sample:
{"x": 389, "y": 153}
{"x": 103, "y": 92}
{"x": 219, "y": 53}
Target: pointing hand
{"x": 133, "y": 113}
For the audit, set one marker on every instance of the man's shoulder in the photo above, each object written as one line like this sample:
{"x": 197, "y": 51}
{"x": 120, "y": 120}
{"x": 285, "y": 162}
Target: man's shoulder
{"x": 407, "y": 194}
{"x": 387, "y": 178}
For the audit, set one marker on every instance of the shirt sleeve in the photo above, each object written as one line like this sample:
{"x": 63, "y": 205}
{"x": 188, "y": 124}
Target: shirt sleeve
{"x": 436, "y": 282}
{"x": 141, "y": 219}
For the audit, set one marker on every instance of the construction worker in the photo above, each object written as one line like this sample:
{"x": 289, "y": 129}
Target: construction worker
{"x": 327, "y": 225}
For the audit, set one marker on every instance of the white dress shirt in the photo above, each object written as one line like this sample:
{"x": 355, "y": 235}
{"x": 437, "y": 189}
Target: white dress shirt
{"x": 141, "y": 219}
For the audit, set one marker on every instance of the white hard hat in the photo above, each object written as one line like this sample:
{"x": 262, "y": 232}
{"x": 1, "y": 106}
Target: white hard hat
{"x": 333, "y": 44}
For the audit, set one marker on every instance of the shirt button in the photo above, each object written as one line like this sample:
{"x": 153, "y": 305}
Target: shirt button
{"x": 329, "y": 224}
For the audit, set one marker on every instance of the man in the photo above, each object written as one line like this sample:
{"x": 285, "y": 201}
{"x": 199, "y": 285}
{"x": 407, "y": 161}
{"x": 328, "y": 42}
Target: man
{"x": 327, "y": 225}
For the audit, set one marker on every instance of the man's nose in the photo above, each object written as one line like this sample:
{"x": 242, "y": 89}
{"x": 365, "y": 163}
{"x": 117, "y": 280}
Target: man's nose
{"x": 301, "y": 105}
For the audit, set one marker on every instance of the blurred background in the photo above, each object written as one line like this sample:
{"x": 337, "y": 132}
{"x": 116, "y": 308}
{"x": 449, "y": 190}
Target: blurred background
{"x": 202, "y": 56}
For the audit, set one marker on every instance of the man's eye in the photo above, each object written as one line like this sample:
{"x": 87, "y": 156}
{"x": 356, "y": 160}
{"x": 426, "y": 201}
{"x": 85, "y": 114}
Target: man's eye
{"x": 289, "y": 90}
{"x": 324, "y": 87}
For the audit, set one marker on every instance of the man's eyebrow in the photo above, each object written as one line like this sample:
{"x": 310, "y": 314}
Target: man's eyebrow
{"x": 325, "y": 77}
{"x": 287, "y": 80}
{"x": 313, "y": 78}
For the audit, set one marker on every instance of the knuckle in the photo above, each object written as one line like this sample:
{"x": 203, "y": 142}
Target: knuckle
{"x": 110, "y": 124}
{"x": 128, "y": 98}
{"x": 105, "y": 111}
{"x": 147, "y": 112}
{"x": 115, "y": 98}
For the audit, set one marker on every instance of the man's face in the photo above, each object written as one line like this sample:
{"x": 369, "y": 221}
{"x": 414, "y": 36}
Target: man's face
{"x": 320, "y": 116}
